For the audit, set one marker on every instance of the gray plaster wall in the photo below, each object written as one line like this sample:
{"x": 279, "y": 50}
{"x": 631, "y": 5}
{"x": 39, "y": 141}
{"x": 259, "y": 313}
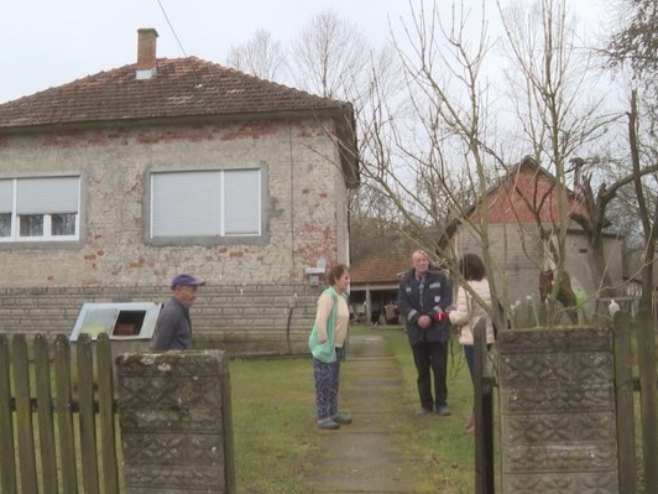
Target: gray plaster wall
{"x": 304, "y": 215}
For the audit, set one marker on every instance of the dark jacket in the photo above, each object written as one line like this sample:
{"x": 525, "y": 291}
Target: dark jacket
{"x": 173, "y": 329}
{"x": 437, "y": 296}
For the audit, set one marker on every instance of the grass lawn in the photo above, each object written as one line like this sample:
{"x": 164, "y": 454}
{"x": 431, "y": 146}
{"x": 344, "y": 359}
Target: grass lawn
{"x": 272, "y": 404}
{"x": 446, "y": 449}
{"x": 274, "y": 431}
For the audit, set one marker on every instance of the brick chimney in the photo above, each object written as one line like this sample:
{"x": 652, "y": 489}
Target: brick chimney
{"x": 146, "y": 44}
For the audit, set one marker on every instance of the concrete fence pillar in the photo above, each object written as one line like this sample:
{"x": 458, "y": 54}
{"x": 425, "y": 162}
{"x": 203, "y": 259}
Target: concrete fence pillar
{"x": 558, "y": 410}
{"x": 176, "y": 427}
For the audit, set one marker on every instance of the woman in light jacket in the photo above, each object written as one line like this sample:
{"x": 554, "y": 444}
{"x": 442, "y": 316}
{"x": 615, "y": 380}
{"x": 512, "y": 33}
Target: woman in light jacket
{"x": 326, "y": 343}
{"x": 468, "y": 310}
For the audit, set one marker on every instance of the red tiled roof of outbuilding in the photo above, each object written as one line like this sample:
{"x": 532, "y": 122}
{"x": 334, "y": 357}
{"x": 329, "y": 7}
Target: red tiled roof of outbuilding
{"x": 379, "y": 269}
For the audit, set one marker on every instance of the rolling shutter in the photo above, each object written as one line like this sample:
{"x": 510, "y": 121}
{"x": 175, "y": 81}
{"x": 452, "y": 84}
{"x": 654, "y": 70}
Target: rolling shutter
{"x": 242, "y": 203}
{"x": 6, "y": 196}
{"x": 47, "y": 195}
{"x": 185, "y": 204}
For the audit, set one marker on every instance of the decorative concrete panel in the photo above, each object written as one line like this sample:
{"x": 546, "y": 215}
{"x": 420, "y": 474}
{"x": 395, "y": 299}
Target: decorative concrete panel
{"x": 175, "y": 416}
{"x": 558, "y": 431}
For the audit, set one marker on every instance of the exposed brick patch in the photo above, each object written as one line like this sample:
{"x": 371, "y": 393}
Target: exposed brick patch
{"x": 58, "y": 141}
{"x": 254, "y": 130}
{"x": 323, "y": 195}
{"x": 306, "y": 191}
{"x": 317, "y": 242}
{"x": 97, "y": 140}
{"x": 90, "y": 257}
{"x": 238, "y": 253}
{"x": 194, "y": 134}
{"x": 138, "y": 263}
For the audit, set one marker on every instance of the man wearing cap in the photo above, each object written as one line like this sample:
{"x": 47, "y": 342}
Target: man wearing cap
{"x": 173, "y": 329}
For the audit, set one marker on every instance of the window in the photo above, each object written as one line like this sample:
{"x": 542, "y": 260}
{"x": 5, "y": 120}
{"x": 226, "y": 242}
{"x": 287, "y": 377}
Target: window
{"x": 38, "y": 209}
{"x": 218, "y": 203}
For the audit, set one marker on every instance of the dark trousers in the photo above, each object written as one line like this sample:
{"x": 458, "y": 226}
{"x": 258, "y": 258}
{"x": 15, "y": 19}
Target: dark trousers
{"x": 469, "y": 353}
{"x": 431, "y": 356}
{"x": 326, "y": 378}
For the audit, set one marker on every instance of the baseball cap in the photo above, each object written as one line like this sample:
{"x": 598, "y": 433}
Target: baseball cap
{"x": 185, "y": 280}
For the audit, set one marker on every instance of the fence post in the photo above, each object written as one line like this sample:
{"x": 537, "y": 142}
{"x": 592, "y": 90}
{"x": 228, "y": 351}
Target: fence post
{"x": 624, "y": 396}
{"x": 105, "y": 372}
{"x": 7, "y": 458}
{"x": 483, "y": 412}
{"x": 45, "y": 415}
{"x": 175, "y": 416}
{"x": 64, "y": 412}
{"x": 88, "y": 450}
{"x": 24, "y": 428}
{"x": 647, "y": 362}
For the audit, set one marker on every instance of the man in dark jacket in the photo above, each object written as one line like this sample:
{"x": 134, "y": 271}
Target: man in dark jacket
{"x": 173, "y": 328}
{"x": 423, "y": 298}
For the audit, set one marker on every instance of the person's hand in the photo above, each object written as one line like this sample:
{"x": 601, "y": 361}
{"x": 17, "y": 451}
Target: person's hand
{"x": 424, "y": 322}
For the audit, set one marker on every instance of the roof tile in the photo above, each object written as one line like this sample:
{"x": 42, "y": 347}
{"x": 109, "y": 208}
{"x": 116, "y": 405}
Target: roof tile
{"x": 181, "y": 87}
{"x": 379, "y": 269}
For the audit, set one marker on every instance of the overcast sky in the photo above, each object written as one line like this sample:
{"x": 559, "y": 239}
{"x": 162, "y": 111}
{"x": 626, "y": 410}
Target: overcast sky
{"x": 45, "y": 43}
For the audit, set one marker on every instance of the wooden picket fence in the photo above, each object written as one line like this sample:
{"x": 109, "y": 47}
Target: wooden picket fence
{"x": 57, "y": 421}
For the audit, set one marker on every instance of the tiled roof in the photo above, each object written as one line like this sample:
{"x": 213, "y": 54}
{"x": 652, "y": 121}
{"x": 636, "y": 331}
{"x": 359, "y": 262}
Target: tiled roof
{"x": 182, "y": 87}
{"x": 379, "y": 269}
{"x": 527, "y": 192}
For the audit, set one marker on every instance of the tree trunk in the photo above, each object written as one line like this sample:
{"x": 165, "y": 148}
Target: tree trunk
{"x": 600, "y": 268}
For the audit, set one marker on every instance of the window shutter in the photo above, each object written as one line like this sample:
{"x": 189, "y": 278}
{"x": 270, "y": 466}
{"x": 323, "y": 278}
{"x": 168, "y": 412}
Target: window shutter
{"x": 6, "y": 196}
{"x": 185, "y": 204}
{"x": 47, "y": 195}
{"x": 242, "y": 202}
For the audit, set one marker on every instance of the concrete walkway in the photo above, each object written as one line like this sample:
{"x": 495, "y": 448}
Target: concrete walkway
{"x": 365, "y": 456}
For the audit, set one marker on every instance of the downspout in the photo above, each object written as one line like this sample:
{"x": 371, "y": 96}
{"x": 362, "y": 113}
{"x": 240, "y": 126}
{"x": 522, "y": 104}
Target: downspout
{"x": 293, "y": 296}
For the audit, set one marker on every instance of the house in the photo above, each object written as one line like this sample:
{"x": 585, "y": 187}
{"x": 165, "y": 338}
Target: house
{"x": 113, "y": 183}
{"x": 524, "y": 197}
{"x": 374, "y": 283}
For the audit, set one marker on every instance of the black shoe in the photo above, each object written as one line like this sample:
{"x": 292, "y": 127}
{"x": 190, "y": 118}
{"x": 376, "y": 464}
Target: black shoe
{"x": 443, "y": 411}
{"x": 423, "y": 411}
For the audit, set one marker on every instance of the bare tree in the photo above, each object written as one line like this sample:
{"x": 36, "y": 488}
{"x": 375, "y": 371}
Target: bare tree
{"x": 433, "y": 154}
{"x": 559, "y": 116}
{"x": 330, "y": 57}
{"x": 444, "y": 157}
{"x": 259, "y": 56}
{"x": 633, "y": 48}
{"x": 636, "y": 42}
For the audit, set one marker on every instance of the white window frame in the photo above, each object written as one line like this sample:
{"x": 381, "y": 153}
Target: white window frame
{"x": 47, "y": 236}
{"x": 219, "y": 230}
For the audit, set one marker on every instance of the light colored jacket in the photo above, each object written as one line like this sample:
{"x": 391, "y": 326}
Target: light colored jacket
{"x": 468, "y": 311}
{"x": 330, "y": 329}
